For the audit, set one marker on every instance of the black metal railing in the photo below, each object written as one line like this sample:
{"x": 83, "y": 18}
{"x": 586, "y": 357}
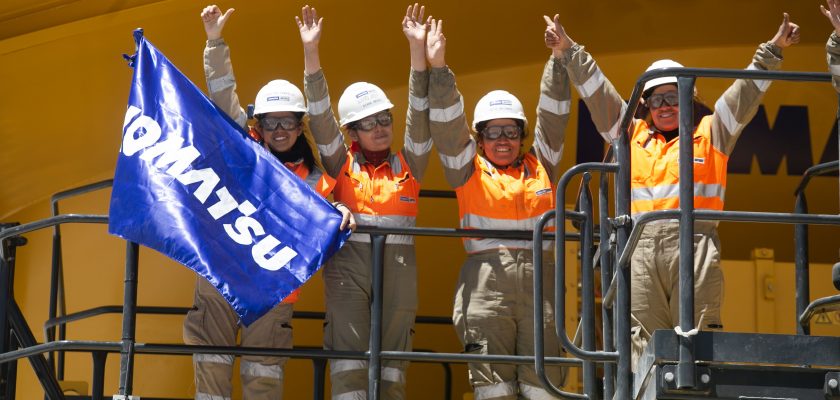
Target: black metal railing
{"x": 618, "y": 238}
{"x": 627, "y": 233}
{"x": 128, "y": 348}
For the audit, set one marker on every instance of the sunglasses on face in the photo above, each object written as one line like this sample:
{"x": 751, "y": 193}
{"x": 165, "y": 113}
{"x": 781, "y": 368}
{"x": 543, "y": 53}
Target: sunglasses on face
{"x": 285, "y": 123}
{"x": 511, "y": 132}
{"x": 383, "y": 118}
{"x": 657, "y": 100}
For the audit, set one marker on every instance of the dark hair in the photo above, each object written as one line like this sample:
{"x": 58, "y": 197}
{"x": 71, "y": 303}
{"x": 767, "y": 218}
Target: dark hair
{"x": 483, "y": 124}
{"x": 302, "y": 146}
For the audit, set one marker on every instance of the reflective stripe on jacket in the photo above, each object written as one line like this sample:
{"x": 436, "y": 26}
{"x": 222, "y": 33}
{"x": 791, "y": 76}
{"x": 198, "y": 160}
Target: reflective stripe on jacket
{"x": 322, "y": 184}
{"x": 509, "y": 199}
{"x": 385, "y": 195}
{"x": 655, "y": 175}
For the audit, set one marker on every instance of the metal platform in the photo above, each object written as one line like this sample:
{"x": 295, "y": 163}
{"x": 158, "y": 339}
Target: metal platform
{"x": 742, "y": 366}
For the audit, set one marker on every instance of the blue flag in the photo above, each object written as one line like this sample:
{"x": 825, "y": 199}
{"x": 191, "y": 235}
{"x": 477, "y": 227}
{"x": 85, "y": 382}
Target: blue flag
{"x": 190, "y": 185}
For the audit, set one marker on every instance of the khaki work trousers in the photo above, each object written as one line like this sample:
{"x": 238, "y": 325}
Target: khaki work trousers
{"x": 347, "y": 281}
{"x": 494, "y": 314}
{"x": 655, "y": 282}
{"x": 212, "y": 322}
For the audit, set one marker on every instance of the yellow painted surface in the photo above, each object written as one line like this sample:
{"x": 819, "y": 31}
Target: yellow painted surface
{"x": 64, "y": 89}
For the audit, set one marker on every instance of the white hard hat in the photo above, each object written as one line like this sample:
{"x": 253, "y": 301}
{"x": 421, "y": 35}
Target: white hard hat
{"x": 660, "y": 64}
{"x": 279, "y": 95}
{"x": 360, "y": 100}
{"x": 498, "y": 104}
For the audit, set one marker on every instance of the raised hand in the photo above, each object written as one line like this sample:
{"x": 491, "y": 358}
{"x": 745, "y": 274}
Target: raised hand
{"x": 309, "y": 25}
{"x": 413, "y": 25}
{"x": 833, "y": 14}
{"x": 436, "y": 44}
{"x": 214, "y": 20}
{"x": 788, "y": 33}
{"x": 556, "y": 38}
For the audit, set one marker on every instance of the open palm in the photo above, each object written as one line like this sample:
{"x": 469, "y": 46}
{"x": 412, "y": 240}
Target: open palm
{"x": 436, "y": 44}
{"x": 309, "y": 25}
{"x": 832, "y": 13}
{"x": 413, "y": 25}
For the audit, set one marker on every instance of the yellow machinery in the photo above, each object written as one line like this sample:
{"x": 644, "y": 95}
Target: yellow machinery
{"x": 64, "y": 92}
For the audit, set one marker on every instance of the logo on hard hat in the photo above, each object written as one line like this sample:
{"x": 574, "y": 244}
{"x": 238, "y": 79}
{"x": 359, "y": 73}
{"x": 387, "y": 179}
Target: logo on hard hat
{"x": 362, "y": 94}
{"x": 501, "y": 103}
{"x": 278, "y": 98}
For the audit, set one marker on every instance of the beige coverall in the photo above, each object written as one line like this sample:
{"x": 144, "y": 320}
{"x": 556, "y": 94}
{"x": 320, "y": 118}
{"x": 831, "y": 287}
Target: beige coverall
{"x": 347, "y": 275}
{"x": 494, "y": 306}
{"x": 655, "y": 265}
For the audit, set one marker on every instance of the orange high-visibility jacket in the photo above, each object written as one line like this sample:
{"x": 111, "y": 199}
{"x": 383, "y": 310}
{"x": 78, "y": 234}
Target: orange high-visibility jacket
{"x": 655, "y": 174}
{"x": 509, "y": 199}
{"x": 384, "y": 195}
{"x": 322, "y": 184}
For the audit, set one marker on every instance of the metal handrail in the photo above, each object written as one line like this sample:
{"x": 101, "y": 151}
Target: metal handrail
{"x": 57, "y": 302}
{"x": 560, "y": 269}
{"x": 559, "y": 214}
{"x": 140, "y": 348}
{"x": 687, "y": 214}
{"x": 800, "y": 236}
{"x": 711, "y": 215}
{"x": 621, "y": 149}
{"x": 815, "y": 170}
{"x": 819, "y": 306}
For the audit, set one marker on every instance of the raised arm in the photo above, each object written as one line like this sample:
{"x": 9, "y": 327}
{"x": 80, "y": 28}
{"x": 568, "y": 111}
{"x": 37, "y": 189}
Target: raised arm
{"x": 448, "y": 126}
{"x": 739, "y": 103}
{"x": 218, "y": 69}
{"x": 322, "y": 122}
{"x": 553, "y": 109}
{"x": 832, "y": 47}
{"x": 605, "y": 104}
{"x": 418, "y": 141}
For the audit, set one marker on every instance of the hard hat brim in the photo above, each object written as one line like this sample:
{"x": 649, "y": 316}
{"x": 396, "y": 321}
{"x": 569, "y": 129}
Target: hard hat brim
{"x": 510, "y": 115}
{"x": 367, "y": 112}
{"x": 653, "y": 83}
{"x": 279, "y": 108}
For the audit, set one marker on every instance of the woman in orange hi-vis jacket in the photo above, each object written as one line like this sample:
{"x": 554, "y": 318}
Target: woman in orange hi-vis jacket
{"x": 279, "y": 110}
{"x": 654, "y": 148}
{"x": 500, "y": 186}
{"x": 381, "y": 187}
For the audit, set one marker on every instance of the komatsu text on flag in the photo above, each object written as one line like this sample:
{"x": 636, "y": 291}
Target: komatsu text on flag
{"x": 190, "y": 185}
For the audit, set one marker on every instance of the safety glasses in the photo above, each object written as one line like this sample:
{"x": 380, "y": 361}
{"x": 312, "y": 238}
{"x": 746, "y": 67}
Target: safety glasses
{"x": 383, "y": 118}
{"x": 285, "y": 123}
{"x": 657, "y": 100}
{"x": 511, "y": 132}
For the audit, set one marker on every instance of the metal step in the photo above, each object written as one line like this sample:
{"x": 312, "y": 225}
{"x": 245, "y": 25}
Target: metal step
{"x": 742, "y": 366}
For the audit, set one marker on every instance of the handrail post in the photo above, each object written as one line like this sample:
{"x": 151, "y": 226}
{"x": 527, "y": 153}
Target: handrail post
{"x": 8, "y": 370}
{"x": 57, "y": 272}
{"x": 803, "y": 294}
{"x": 624, "y": 378}
{"x": 559, "y": 296}
{"x": 685, "y": 367}
{"x": 54, "y": 290}
{"x": 97, "y": 386}
{"x": 605, "y": 232}
{"x": 587, "y": 291}
{"x": 319, "y": 377}
{"x": 132, "y": 255}
{"x": 377, "y": 246}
